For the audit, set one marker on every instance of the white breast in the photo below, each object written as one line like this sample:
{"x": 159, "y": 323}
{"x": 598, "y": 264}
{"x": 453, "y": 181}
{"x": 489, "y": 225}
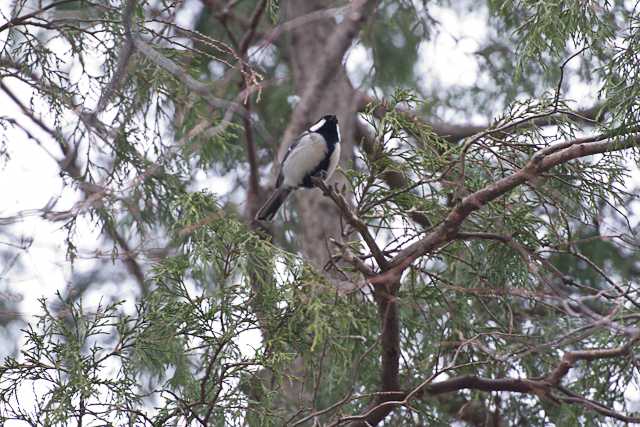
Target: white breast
{"x": 303, "y": 159}
{"x": 333, "y": 162}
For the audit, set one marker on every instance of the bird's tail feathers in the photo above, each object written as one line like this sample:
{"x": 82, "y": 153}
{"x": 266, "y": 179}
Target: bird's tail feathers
{"x": 273, "y": 203}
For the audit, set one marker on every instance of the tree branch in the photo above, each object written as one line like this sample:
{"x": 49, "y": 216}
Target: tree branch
{"x": 126, "y": 51}
{"x": 394, "y": 179}
{"x": 21, "y": 19}
{"x": 353, "y": 220}
{"x": 453, "y": 132}
{"x": 541, "y": 387}
{"x": 390, "y": 355}
{"x": 253, "y": 190}
{"x": 540, "y": 162}
{"x": 91, "y": 191}
{"x": 200, "y": 88}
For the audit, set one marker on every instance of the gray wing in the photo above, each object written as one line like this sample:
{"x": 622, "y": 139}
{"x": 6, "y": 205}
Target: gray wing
{"x": 291, "y": 148}
{"x": 294, "y": 145}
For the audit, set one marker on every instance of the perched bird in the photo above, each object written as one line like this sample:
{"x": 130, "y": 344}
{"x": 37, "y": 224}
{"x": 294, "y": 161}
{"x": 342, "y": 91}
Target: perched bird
{"x": 315, "y": 153}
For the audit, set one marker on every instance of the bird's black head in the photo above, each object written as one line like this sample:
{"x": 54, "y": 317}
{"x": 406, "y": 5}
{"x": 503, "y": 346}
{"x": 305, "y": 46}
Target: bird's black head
{"x": 331, "y": 119}
{"x": 327, "y": 126}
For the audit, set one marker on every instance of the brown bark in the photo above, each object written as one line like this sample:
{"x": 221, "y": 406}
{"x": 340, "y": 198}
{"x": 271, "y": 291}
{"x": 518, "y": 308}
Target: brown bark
{"x": 316, "y": 51}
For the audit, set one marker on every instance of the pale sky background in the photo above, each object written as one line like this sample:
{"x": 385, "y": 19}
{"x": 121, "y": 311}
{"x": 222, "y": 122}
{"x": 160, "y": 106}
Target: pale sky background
{"x": 30, "y": 178}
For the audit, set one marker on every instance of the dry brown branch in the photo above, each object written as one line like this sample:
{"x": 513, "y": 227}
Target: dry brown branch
{"x": 539, "y": 163}
{"x": 253, "y": 190}
{"x": 297, "y": 22}
{"x": 353, "y": 220}
{"x": 19, "y": 20}
{"x": 546, "y": 387}
{"x": 387, "y": 281}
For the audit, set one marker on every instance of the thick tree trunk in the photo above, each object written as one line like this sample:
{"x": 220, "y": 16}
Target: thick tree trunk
{"x": 316, "y": 50}
{"x": 307, "y": 47}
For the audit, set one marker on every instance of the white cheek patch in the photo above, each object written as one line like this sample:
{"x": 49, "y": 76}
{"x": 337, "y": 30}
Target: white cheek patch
{"x": 318, "y": 125}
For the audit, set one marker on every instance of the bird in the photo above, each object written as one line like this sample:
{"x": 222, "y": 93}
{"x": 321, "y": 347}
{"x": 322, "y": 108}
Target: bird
{"x": 315, "y": 153}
